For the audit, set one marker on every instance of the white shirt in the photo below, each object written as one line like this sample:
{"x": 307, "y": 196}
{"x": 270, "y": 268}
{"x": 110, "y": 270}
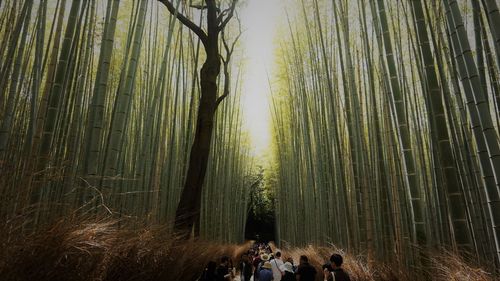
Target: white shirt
{"x": 276, "y": 265}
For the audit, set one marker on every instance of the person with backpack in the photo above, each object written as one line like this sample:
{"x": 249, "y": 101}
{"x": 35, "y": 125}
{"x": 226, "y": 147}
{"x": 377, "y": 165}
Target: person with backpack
{"x": 276, "y": 264}
{"x": 335, "y": 272}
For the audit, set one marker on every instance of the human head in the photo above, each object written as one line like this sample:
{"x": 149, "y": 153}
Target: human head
{"x": 304, "y": 259}
{"x": 211, "y": 266}
{"x": 267, "y": 265}
{"x": 328, "y": 267}
{"x": 288, "y": 267}
{"x": 290, "y": 260}
{"x": 244, "y": 257}
{"x": 336, "y": 260}
{"x": 278, "y": 254}
{"x": 264, "y": 257}
{"x": 224, "y": 260}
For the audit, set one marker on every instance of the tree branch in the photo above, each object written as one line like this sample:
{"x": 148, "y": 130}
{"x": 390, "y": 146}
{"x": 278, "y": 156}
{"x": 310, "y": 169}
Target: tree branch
{"x": 220, "y": 18}
{"x": 202, "y": 7}
{"x": 229, "y": 50}
{"x": 225, "y": 61}
{"x": 184, "y": 20}
{"x": 230, "y": 13}
{"x": 226, "y": 84}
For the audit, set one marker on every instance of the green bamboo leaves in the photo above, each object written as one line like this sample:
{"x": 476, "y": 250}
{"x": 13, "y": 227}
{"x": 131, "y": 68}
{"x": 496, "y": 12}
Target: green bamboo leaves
{"x": 373, "y": 144}
{"x": 97, "y": 116}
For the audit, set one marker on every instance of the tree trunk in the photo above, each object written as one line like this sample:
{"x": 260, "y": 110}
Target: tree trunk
{"x": 188, "y": 210}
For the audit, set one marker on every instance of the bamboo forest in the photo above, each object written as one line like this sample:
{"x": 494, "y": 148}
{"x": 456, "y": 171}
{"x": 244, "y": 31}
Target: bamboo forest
{"x": 178, "y": 139}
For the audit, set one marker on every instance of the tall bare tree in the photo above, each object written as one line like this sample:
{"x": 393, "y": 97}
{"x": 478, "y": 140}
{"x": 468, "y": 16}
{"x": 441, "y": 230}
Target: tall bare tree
{"x": 188, "y": 210}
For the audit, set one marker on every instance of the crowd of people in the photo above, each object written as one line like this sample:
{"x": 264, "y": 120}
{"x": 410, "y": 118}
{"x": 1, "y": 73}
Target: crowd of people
{"x": 260, "y": 263}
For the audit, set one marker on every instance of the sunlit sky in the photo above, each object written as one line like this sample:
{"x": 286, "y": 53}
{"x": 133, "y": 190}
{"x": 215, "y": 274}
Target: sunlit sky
{"x": 260, "y": 20}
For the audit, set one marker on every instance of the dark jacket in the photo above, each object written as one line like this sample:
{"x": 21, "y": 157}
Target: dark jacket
{"x": 306, "y": 272}
{"x": 221, "y": 272}
{"x": 208, "y": 276}
{"x": 288, "y": 277}
{"x": 256, "y": 263}
{"x": 246, "y": 270}
{"x": 340, "y": 275}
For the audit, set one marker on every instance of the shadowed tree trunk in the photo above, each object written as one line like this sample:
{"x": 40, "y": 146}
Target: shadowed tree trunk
{"x": 188, "y": 210}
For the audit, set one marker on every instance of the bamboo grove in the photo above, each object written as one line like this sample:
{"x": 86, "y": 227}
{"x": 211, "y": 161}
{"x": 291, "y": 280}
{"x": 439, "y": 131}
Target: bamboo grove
{"x": 97, "y": 104}
{"x": 385, "y": 117}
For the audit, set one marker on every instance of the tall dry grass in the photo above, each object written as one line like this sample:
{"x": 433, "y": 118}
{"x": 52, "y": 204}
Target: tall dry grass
{"x": 115, "y": 250}
{"x": 105, "y": 250}
{"x": 442, "y": 266}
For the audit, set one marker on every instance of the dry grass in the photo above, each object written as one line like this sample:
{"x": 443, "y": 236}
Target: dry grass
{"x": 443, "y": 266}
{"x": 112, "y": 250}
{"x": 101, "y": 250}
{"x": 357, "y": 269}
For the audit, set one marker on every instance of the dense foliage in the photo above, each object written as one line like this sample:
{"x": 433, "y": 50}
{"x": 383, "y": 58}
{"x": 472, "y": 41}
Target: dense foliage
{"x": 97, "y": 103}
{"x": 386, "y": 128}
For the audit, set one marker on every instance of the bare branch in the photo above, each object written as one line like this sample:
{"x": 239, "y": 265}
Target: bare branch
{"x": 226, "y": 84}
{"x": 229, "y": 52}
{"x": 220, "y": 18}
{"x": 230, "y": 13}
{"x": 203, "y": 7}
{"x": 226, "y": 46}
{"x": 184, "y": 20}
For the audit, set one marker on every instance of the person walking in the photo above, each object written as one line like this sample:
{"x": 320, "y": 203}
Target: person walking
{"x": 335, "y": 272}
{"x": 263, "y": 259}
{"x": 245, "y": 268}
{"x": 256, "y": 263}
{"x": 231, "y": 268}
{"x": 276, "y": 264}
{"x": 223, "y": 273}
{"x": 290, "y": 260}
{"x": 209, "y": 274}
{"x": 289, "y": 273}
{"x": 266, "y": 273}
{"x": 305, "y": 272}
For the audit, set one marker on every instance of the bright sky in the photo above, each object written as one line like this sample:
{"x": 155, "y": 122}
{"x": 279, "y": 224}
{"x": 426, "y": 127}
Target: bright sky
{"x": 260, "y": 21}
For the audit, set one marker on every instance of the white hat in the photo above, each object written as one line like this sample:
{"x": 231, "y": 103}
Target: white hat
{"x": 287, "y": 267}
